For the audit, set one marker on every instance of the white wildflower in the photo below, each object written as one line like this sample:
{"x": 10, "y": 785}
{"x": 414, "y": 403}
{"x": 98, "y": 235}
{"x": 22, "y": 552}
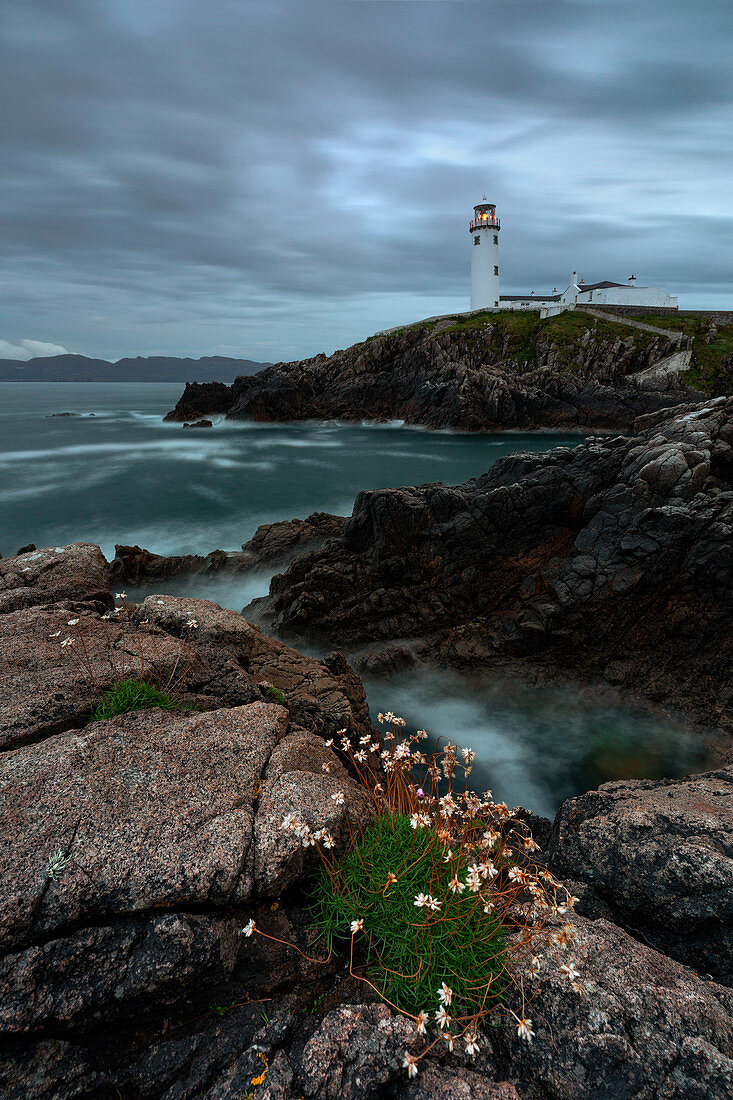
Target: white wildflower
{"x": 72, "y": 622}
{"x": 66, "y": 642}
{"x": 445, "y": 994}
{"x": 570, "y": 971}
{"x": 338, "y": 798}
{"x": 471, "y": 1042}
{"x": 420, "y": 1022}
{"x": 408, "y": 1062}
{"x": 524, "y": 1030}
{"x": 357, "y": 926}
{"x": 442, "y": 1018}
{"x": 249, "y": 928}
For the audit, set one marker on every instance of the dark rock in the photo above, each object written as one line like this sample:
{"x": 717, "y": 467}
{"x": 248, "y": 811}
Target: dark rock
{"x": 440, "y": 1083}
{"x": 645, "y": 1027}
{"x": 356, "y": 1052}
{"x": 52, "y": 1069}
{"x": 26, "y": 549}
{"x": 200, "y": 424}
{"x": 611, "y": 562}
{"x": 655, "y": 857}
{"x": 484, "y": 378}
{"x": 280, "y": 541}
{"x": 134, "y": 565}
{"x": 200, "y": 398}
{"x": 271, "y": 543}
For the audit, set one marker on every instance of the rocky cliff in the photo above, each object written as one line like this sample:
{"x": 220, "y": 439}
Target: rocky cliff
{"x": 611, "y": 561}
{"x": 136, "y": 849}
{"x": 483, "y": 372}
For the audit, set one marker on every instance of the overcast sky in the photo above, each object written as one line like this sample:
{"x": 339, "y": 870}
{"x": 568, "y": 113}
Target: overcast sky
{"x": 270, "y": 180}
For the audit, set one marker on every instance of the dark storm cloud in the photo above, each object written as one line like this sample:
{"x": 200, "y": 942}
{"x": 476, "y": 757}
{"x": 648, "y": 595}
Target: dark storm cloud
{"x": 274, "y": 178}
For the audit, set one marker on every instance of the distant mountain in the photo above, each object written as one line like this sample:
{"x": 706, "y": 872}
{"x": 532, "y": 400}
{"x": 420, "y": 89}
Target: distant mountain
{"x": 155, "y": 368}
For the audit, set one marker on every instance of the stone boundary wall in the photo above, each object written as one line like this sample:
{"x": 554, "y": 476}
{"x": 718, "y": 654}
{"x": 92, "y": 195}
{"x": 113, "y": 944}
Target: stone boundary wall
{"x": 626, "y": 311}
{"x": 679, "y": 337}
{"x": 715, "y": 316}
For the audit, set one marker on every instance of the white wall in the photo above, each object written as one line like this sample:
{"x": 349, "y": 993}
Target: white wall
{"x": 629, "y": 296}
{"x": 484, "y": 258}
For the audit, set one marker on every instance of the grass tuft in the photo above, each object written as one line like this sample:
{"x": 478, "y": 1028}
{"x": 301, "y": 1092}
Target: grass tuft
{"x": 129, "y": 695}
{"x": 409, "y": 955}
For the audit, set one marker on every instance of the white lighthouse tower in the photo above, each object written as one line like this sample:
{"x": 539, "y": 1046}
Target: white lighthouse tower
{"x": 484, "y": 229}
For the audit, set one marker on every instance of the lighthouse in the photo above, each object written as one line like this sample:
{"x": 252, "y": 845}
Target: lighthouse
{"x": 484, "y": 229}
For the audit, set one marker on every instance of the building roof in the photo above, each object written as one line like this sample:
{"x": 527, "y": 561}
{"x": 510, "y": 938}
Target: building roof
{"x": 599, "y": 286}
{"x": 529, "y": 297}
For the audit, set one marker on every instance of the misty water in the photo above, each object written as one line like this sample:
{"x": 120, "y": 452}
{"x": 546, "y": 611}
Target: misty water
{"x": 115, "y": 473}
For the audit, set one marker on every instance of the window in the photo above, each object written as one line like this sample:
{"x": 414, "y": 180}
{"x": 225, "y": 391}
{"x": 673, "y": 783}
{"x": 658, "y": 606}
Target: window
{"x": 496, "y": 239}
{"x": 477, "y": 240}
{"x": 496, "y": 270}
{"x": 496, "y": 303}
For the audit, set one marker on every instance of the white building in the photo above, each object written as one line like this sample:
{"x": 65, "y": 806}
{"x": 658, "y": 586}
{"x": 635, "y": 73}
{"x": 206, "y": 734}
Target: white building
{"x": 484, "y": 229}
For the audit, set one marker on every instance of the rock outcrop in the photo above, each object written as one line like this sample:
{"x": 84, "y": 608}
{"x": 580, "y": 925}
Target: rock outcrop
{"x": 657, "y": 858}
{"x": 611, "y": 562}
{"x": 273, "y": 544}
{"x": 78, "y": 572}
{"x": 137, "y": 849}
{"x": 490, "y": 371}
{"x": 644, "y": 1027}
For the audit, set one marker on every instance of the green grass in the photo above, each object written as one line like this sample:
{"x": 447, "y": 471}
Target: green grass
{"x": 712, "y": 369}
{"x": 410, "y": 951}
{"x": 276, "y": 694}
{"x": 128, "y": 695}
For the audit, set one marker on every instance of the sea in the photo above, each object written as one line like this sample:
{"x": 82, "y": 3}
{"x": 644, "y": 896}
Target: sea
{"x": 113, "y": 472}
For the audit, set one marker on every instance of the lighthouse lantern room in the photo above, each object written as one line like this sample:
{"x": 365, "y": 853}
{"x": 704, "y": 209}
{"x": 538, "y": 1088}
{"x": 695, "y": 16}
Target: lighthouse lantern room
{"x": 484, "y": 229}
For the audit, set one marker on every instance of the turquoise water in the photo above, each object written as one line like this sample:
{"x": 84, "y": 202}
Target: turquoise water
{"x": 115, "y": 473}
{"x": 122, "y": 475}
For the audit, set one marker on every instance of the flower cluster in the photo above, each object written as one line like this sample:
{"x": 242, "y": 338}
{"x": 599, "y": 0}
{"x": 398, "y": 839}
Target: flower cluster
{"x": 441, "y": 894}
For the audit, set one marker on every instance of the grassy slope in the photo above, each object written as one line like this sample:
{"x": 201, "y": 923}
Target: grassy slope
{"x": 521, "y": 330}
{"x": 708, "y": 373}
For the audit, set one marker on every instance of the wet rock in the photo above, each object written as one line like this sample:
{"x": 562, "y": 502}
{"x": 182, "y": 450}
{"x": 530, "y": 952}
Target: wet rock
{"x": 26, "y": 549}
{"x": 200, "y": 424}
{"x": 134, "y": 565}
{"x": 615, "y": 555}
{"x": 279, "y": 541}
{"x": 271, "y": 543}
{"x": 52, "y": 1069}
{"x": 656, "y": 858}
{"x": 79, "y": 572}
{"x": 475, "y": 380}
{"x": 646, "y": 1026}
{"x": 131, "y": 969}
